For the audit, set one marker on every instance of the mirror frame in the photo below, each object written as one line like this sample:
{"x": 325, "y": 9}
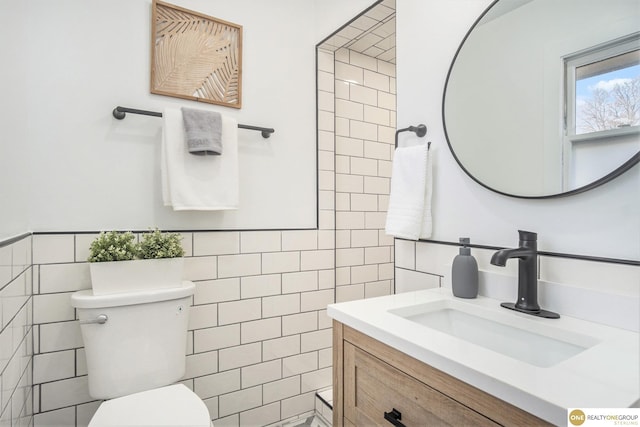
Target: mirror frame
{"x": 635, "y": 159}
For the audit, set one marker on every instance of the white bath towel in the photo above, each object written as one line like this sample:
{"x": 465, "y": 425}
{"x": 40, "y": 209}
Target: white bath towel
{"x": 409, "y": 212}
{"x": 198, "y": 182}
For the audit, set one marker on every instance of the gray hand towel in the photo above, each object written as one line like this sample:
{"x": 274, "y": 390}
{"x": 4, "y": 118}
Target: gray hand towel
{"x": 203, "y": 131}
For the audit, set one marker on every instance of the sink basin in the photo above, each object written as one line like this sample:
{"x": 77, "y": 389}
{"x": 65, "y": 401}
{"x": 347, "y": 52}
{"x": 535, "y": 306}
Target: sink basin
{"x": 531, "y": 342}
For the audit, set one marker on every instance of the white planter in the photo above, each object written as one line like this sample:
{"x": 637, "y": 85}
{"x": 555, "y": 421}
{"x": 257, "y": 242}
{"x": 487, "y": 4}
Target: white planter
{"x": 135, "y": 275}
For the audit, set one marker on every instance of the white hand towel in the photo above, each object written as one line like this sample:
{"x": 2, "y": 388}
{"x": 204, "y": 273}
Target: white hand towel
{"x": 427, "y": 222}
{"x": 198, "y": 182}
{"x": 409, "y": 212}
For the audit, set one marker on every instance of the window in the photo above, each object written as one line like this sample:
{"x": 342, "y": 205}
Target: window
{"x": 602, "y": 110}
{"x": 603, "y": 89}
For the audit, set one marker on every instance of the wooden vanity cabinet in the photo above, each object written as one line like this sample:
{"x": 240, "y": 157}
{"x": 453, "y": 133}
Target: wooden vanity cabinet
{"x": 374, "y": 384}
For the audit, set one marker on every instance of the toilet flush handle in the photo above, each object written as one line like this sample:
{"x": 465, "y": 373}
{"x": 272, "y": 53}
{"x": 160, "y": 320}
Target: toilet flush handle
{"x": 101, "y": 319}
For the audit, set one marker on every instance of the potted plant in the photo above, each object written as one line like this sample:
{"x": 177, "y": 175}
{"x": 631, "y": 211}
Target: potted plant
{"x": 158, "y": 245}
{"x": 118, "y": 263}
{"x": 113, "y": 246}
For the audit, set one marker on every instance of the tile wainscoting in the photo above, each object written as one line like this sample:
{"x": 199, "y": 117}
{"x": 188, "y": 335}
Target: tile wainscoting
{"x": 576, "y": 287}
{"x": 259, "y": 339}
{"x": 16, "y": 333}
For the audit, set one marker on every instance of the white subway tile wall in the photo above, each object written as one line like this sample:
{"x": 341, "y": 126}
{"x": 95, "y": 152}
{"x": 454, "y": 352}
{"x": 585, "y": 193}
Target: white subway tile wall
{"x": 365, "y": 126}
{"x": 16, "y": 335}
{"x": 259, "y": 337}
{"x": 260, "y": 344}
{"x": 424, "y": 265}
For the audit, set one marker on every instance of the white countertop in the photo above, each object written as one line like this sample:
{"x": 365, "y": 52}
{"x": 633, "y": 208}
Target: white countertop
{"x": 606, "y": 375}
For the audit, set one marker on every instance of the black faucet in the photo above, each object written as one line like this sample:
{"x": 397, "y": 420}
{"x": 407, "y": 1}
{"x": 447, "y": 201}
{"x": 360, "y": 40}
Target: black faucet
{"x": 527, "y": 254}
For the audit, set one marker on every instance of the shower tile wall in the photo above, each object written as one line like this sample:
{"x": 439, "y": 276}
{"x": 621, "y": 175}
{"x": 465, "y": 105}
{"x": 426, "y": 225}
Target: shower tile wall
{"x": 16, "y": 333}
{"x": 259, "y": 338}
{"x": 359, "y": 91}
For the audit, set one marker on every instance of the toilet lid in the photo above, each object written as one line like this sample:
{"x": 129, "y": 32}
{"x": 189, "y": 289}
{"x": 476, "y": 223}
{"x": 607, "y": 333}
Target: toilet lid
{"x": 173, "y": 405}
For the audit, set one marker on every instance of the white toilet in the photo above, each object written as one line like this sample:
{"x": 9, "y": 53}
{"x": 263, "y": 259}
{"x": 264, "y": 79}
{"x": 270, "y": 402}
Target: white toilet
{"x": 135, "y": 346}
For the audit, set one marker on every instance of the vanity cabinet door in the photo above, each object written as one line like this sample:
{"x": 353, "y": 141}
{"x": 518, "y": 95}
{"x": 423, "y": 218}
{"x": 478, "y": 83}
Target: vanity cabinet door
{"x": 373, "y": 387}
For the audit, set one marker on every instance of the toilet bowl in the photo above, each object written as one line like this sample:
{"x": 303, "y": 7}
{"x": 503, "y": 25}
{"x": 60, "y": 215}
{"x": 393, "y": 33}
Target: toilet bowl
{"x": 173, "y": 405}
{"x": 135, "y": 346}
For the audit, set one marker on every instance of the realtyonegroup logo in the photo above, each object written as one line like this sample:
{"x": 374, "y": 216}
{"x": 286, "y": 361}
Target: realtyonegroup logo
{"x": 577, "y": 417}
{"x": 588, "y": 417}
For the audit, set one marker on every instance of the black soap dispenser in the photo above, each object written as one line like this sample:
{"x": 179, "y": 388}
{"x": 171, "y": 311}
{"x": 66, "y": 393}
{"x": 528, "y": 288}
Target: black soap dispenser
{"x": 464, "y": 272}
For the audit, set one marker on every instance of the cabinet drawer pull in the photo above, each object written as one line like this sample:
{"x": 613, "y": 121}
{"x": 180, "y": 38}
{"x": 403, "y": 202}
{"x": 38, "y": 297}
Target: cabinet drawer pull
{"x": 394, "y": 417}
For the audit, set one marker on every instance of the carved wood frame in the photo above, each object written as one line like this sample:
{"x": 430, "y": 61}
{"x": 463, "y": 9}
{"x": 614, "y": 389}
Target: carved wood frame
{"x": 195, "y": 56}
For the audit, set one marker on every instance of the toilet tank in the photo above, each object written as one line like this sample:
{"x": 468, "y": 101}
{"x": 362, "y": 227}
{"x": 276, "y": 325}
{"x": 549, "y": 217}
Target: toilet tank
{"x": 141, "y": 345}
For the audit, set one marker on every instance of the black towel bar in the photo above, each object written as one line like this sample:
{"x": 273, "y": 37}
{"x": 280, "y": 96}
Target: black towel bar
{"x": 420, "y": 130}
{"x": 120, "y": 113}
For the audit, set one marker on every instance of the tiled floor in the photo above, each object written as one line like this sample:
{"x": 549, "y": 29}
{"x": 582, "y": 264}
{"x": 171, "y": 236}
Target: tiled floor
{"x": 310, "y": 421}
{"x": 321, "y": 417}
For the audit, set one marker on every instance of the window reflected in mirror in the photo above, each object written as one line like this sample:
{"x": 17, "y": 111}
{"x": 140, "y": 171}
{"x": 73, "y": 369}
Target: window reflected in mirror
{"x": 606, "y": 88}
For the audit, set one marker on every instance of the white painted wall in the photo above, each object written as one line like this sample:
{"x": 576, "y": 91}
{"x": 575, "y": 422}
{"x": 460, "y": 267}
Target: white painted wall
{"x": 67, "y": 164}
{"x": 602, "y": 222}
{"x": 74, "y": 167}
{"x": 74, "y": 61}
{"x": 13, "y": 121}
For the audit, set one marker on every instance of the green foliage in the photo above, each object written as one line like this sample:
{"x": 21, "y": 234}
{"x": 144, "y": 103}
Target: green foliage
{"x": 156, "y": 244}
{"x": 121, "y": 246}
{"x": 113, "y": 246}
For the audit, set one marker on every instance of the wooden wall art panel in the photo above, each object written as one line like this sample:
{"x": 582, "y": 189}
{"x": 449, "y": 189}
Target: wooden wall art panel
{"x": 195, "y": 56}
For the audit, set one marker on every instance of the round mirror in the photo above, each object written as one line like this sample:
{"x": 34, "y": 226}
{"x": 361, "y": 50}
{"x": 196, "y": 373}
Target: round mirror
{"x": 542, "y": 98}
